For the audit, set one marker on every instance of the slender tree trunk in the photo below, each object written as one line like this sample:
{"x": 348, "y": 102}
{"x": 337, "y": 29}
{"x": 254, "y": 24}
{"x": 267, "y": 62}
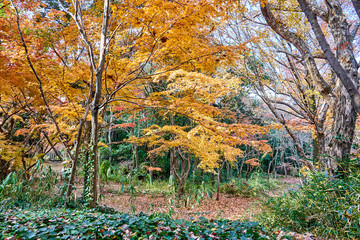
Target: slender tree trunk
{"x": 151, "y": 165}
{"x": 196, "y": 163}
{"x": 76, "y": 157}
{"x": 173, "y": 158}
{"x": 94, "y": 156}
{"x": 109, "y": 135}
{"x": 86, "y": 159}
{"x": 172, "y": 161}
{"x": 218, "y": 182}
{"x": 218, "y": 186}
{"x": 95, "y": 104}
{"x": 182, "y": 179}
{"x": 134, "y": 147}
{"x": 228, "y": 170}
{"x": 271, "y": 162}
{"x": 241, "y": 166}
{"x": 4, "y": 168}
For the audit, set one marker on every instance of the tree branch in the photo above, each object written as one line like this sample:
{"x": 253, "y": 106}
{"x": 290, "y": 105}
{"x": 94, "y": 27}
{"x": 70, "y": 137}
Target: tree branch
{"x": 330, "y": 56}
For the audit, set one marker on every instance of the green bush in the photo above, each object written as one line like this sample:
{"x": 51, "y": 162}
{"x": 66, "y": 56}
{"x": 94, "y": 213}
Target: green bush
{"x": 104, "y": 169}
{"x": 231, "y": 188}
{"x": 119, "y": 173}
{"x": 328, "y": 208}
{"x": 256, "y": 185}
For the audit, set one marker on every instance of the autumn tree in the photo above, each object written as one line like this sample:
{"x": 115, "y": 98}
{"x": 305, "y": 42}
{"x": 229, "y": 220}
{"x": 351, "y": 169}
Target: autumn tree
{"x": 304, "y": 59}
{"x": 117, "y": 47}
{"x": 192, "y": 95}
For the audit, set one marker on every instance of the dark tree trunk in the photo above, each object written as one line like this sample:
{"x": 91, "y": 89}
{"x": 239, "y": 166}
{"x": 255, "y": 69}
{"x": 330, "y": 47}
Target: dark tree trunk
{"x": 184, "y": 173}
{"x": 219, "y": 181}
{"x": 218, "y": 186}
{"x": 4, "y": 169}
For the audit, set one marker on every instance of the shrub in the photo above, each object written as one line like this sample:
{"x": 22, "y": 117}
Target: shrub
{"x": 231, "y": 188}
{"x": 328, "y": 208}
{"x": 253, "y": 187}
{"x": 104, "y": 168}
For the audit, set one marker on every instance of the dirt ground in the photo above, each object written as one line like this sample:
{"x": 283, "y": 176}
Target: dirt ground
{"x": 233, "y": 208}
{"x": 229, "y": 207}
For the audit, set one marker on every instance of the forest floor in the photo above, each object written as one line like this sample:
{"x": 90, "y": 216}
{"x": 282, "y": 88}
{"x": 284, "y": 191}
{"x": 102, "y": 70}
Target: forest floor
{"x": 228, "y": 207}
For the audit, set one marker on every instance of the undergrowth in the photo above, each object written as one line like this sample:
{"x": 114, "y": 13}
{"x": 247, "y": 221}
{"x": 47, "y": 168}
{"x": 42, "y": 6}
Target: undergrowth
{"x": 328, "y": 208}
{"x": 255, "y": 186}
{"x": 20, "y": 190}
{"x": 70, "y": 224}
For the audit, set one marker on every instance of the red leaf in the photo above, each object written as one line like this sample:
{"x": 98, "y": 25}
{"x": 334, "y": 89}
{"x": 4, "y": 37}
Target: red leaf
{"x": 124, "y": 125}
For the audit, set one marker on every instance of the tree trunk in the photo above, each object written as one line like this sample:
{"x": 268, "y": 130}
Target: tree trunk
{"x": 229, "y": 171}
{"x": 343, "y": 129}
{"x": 321, "y": 138}
{"x": 94, "y": 152}
{"x": 95, "y": 104}
{"x": 4, "y": 169}
{"x": 219, "y": 181}
{"x": 172, "y": 162}
{"x": 185, "y": 169}
{"x": 76, "y": 157}
{"x": 86, "y": 159}
{"x": 218, "y": 186}
{"x": 134, "y": 147}
{"x": 346, "y": 99}
{"x": 173, "y": 158}
{"x": 241, "y": 167}
{"x": 344, "y": 64}
{"x": 345, "y": 115}
{"x": 109, "y": 135}
{"x": 181, "y": 188}
{"x": 151, "y": 165}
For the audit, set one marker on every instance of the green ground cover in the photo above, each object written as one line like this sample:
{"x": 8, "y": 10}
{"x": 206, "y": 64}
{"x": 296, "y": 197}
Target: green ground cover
{"x": 85, "y": 224}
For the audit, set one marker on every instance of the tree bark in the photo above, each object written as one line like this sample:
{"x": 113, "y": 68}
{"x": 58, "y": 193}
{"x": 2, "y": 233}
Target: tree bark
{"x": 77, "y": 152}
{"x": 173, "y": 159}
{"x": 95, "y": 104}
{"x": 86, "y": 156}
{"x": 322, "y": 86}
{"x": 218, "y": 182}
{"x": 185, "y": 169}
{"x": 134, "y": 146}
{"x": 109, "y": 135}
{"x": 356, "y": 4}
{"x": 343, "y": 128}
{"x": 346, "y": 99}
{"x": 340, "y": 28}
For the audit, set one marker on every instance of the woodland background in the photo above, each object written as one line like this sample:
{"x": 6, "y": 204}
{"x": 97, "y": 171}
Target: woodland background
{"x": 190, "y": 100}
